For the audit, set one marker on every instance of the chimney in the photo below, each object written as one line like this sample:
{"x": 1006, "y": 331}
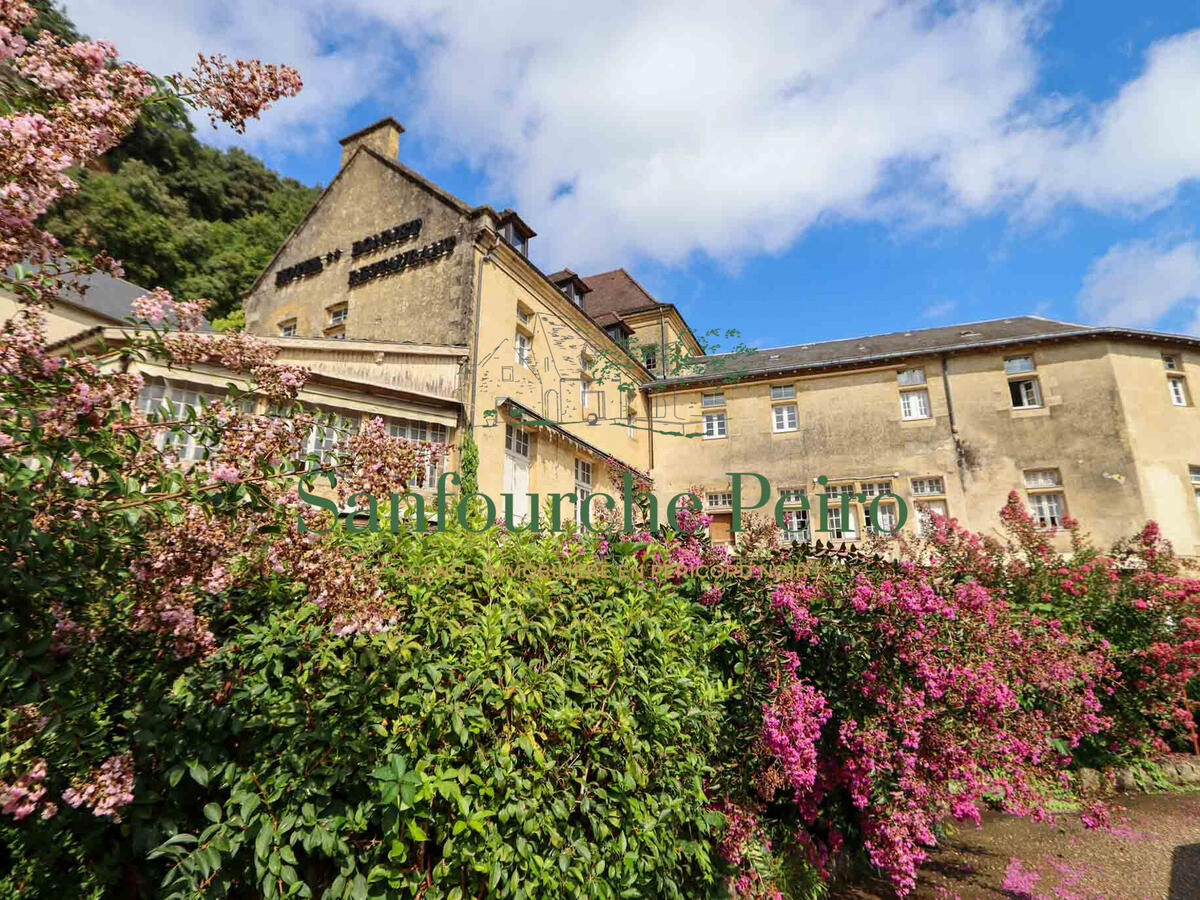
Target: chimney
{"x": 383, "y": 137}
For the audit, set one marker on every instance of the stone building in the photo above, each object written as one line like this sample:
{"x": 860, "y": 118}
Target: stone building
{"x": 1094, "y": 423}
{"x": 391, "y": 288}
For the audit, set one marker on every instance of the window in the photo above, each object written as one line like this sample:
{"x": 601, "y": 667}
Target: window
{"x": 888, "y": 517}
{"x": 513, "y": 235}
{"x": 584, "y": 387}
{"x": 713, "y": 398}
{"x": 714, "y": 425}
{"x": 413, "y": 430}
{"x": 180, "y": 442}
{"x": 524, "y": 316}
{"x": 795, "y": 525}
{"x": 1042, "y": 478}
{"x": 837, "y": 530}
{"x": 793, "y": 495}
{"x": 337, "y": 333}
{"x": 931, "y": 485}
{"x": 1170, "y": 362}
{"x": 338, "y": 314}
{"x": 910, "y": 377}
{"x": 651, "y": 360}
{"x": 516, "y": 440}
{"x": 1194, "y": 475}
{"x": 875, "y": 488}
{"x": 719, "y": 500}
{"x": 914, "y": 404}
{"x": 1049, "y": 509}
{"x": 785, "y": 417}
{"x": 1015, "y": 365}
{"x": 839, "y": 489}
{"x": 617, "y": 334}
{"x": 325, "y": 437}
{"x": 1179, "y": 391}
{"x": 583, "y": 487}
{"x": 524, "y": 349}
{"x": 926, "y": 511}
{"x": 287, "y": 328}
{"x": 783, "y": 391}
{"x": 629, "y": 425}
{"x": 1025, "y": 393}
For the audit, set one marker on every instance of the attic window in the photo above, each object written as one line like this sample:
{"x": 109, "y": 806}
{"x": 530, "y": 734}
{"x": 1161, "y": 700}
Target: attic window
{"x": 573, "y": 294}
{"x": 512, "y": 233}
{"x": 970, "y": 334}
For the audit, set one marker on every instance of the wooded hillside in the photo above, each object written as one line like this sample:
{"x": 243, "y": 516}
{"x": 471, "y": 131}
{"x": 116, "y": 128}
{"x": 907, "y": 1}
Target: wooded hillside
{"x": 198, "y": 221}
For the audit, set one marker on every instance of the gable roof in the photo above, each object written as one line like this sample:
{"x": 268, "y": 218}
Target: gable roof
{"x": 898, "y": 345}
{"x": 614, "y": 293}
{"x": 109, "y": 297}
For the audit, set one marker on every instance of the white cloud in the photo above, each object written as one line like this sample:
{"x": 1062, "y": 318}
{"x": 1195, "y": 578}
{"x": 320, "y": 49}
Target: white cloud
{"x": 673, "y": 127}
{"x": 1140, "y": 282}
{"x": 340, "y": 57}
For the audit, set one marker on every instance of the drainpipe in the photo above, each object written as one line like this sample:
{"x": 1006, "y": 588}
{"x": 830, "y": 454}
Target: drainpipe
{"x": 949, "y": 397}
{"x": 959, "y": 450}
{"x": 490, "y": 242}
{"x": 662, "y": 340}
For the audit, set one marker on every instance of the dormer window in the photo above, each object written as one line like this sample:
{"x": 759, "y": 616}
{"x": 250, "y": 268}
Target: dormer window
{"x": 513, "y": 235}
{"x": 516, "y": 232}
{"x": 572, "y": 293}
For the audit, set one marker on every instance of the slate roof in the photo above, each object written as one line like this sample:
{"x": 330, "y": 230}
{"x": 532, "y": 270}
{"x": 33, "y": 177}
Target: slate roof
{"x": 613, "y": 293}
{"x": 898, "y": 345}
{"x": 105, "y": 295}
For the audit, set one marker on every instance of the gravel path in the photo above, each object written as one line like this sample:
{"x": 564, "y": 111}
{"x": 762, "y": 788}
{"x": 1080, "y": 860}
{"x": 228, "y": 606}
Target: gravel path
{"x": 1151, "y": 852}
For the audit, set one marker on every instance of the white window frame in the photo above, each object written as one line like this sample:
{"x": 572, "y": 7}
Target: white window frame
{"x": 889, "y": 514}
{"x": 925, "y": 513}
{"x": 790, "y": 495}
{"x": 715, "y": 426}
{"x": 179, "y": 441}
{"x": 325, "y": 437}
{"x": 1042, "y": 478}
{"x": 712, "y": 399}
{"x": 796, "y": 526}
{"x": 1019, "y": 365}
{"x": 517, "y": 441}
{"x": 836, "y": 531}
{"x": 523, "y": 349}
{"x": 1170, "y": 362}
{"x": 583, "y": 487}
{"x": 584, "y": 390}
{"x": 914, "y": 404}
{"x": 287, "y": 328}
{"x": 718, "y": 499}
{"x": 418, "y": 430}
{"x": 1177, "y": 385}
{"x": 524, "y": 316}
{"x": 784, "y": 417}
{"x": 338, "y": 314}
{"x": 910, "y": 377}
{"x": 783, "y": 392}
{"x": 1045, "y": 518}
{"x": 928, "y": 486}
{"x": 876, "y": 488}
{"x": 1030, "y": 399}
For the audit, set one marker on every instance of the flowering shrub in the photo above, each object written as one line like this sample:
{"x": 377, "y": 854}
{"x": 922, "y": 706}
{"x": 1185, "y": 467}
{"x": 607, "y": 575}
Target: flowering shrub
{"x": 200, "y": 698}
{"x": 874, "y": 701}
{"x": 1133, "y": 602}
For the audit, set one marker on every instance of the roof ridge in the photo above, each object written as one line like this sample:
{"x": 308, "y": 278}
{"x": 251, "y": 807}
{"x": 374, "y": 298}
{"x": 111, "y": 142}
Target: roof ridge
{"x": 880, "y": 334}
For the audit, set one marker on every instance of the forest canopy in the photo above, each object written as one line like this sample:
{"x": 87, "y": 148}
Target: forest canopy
{"x": 196, "y": 220}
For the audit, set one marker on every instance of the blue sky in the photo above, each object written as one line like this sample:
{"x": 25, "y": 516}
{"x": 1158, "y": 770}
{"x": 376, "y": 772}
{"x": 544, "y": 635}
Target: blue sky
{"x": 798, "y": 171}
